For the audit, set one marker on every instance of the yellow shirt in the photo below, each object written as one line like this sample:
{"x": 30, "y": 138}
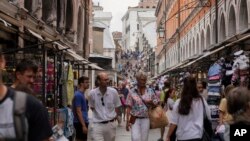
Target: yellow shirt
{"x": 223, "y": 107}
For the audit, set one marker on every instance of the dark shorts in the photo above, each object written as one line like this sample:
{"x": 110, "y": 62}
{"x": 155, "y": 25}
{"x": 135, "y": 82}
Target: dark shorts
{"x": 79, "y": 133}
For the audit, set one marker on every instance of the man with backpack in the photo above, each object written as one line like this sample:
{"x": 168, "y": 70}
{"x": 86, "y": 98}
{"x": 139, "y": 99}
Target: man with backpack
{"x": 23, "y": 117}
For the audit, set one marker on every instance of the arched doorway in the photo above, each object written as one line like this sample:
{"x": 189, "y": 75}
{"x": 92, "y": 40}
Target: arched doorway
{"x": 69, "y": 15}
{"x": 243, "y": 22}
{"x": 208, "y": 39}
{"x": 202, "y": 46}
{"x": 193, "y": 50}
{"x": 190, "y": 48}
{"x": 214, "y": 33}
{"x": 222, "y": 29}
{"x": 197, "y": 50}
{"x": 232, "y": 22}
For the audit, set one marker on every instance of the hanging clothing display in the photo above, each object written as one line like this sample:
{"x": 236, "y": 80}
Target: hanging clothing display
{"x": 227, "y": 73}
{"x": 240, "y": 69}
{"x": 214, "y": 89}
{"x": 70, "y": 85}
{"x": 64, "y": 85}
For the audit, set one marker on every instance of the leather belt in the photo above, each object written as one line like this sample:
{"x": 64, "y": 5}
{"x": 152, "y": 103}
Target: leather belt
{"x": 105, "y": 122}
{"x": 141, "y": 117}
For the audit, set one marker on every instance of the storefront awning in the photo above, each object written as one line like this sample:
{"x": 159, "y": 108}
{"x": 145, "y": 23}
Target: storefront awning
{"x": 60, "y": 46}
{"x": 92, "y": 55}
{"x": 36, "y": 34}
{"x": 77, "y": 57}
{"x": 95, "y": 67}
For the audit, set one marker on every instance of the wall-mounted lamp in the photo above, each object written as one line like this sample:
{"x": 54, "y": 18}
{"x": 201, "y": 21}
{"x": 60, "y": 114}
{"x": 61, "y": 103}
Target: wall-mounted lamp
{"x": 161, "y": 32}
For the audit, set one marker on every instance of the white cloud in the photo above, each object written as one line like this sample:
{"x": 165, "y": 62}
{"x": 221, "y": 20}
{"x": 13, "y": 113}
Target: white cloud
{"x": 118, "y": 9}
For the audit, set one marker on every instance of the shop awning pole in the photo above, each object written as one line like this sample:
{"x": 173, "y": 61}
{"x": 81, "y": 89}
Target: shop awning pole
{"x": 28, "y": 47}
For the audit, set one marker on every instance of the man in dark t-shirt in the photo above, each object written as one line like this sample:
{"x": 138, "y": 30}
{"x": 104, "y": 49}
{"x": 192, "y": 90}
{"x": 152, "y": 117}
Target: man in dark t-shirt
{"x": 39, "y": 128}
{"x": 37, "y": 117}
{"x": 80, "y": 109}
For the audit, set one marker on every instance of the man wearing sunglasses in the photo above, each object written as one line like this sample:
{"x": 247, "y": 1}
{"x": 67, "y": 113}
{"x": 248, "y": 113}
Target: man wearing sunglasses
{"x": 104, "y": 102}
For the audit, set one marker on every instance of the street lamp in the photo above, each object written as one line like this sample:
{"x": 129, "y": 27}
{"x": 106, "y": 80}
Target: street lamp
{"x": 161, "y": 32}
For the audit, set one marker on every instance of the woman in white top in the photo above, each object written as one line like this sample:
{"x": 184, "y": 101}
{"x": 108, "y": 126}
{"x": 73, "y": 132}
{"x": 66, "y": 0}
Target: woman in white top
{"x": 187, "y": 114}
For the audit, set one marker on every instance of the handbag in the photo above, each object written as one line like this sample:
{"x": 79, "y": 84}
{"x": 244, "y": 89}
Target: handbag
{"x": 207, "y": 126}
{"x": 157, "y": 116}
{"x": 132, "y": 119}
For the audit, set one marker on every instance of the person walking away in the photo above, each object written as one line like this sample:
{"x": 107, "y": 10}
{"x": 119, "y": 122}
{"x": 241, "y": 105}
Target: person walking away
{"x": 137, "y": 111}
{"x": 80, "y": 109}
{"x": 124, "y": 92}
{"x": 104, "y": 102}
{"x": 37, "y": 127}
{"x": 163, "y": 97}
{"x": 187, "y": 115}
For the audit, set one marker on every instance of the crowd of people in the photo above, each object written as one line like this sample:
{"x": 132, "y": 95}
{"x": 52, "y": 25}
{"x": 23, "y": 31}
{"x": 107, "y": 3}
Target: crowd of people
{"x": 122, "y": 103}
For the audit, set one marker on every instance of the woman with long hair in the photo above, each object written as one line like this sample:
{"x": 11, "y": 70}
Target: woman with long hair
{"x": 187, "y": 115}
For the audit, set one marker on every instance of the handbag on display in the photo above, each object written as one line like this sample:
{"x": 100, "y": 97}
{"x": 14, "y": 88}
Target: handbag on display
{"x": 157, "y": 116}
{"x": 207, "y": 126}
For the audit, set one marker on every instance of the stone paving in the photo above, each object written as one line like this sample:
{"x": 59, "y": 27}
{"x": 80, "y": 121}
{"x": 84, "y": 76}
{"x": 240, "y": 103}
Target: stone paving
{"x": 123, "y": 135}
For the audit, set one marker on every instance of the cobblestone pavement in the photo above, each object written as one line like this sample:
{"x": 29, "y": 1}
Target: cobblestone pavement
{"x": 123, "y": 135}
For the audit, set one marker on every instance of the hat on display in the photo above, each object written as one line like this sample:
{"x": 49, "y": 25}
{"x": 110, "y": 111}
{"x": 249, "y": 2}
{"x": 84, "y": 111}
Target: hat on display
{"x": 240, "y": 52}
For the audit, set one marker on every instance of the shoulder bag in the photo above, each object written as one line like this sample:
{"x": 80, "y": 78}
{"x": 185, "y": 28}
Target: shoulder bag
{"x": 157, "y": 116}
{"x": 207, "y": 125}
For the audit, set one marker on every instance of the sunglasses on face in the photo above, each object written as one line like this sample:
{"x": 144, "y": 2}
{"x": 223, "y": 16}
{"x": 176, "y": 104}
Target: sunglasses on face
{"x": 103, "y": 104}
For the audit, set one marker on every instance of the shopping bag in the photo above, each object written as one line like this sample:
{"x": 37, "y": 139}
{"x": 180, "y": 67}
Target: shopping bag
{"x": 157, "y": 117}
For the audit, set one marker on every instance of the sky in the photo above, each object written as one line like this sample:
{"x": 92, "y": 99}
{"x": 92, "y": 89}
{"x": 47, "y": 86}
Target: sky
{"x": 118, "y": 9}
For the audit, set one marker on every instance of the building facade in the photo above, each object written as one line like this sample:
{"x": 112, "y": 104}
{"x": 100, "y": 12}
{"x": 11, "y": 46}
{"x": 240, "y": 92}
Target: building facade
{"x": 103, "y": 51}
{"x": 195, "y": 29}
{"x": 139, "y": 24}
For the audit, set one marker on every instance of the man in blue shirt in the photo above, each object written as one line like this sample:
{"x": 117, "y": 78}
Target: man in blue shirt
{"x": 80, "y": 109}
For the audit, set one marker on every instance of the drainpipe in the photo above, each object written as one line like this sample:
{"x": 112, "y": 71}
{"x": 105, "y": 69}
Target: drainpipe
{"x": 178, "y": 30}
{"x": 165, "y": 37}
{"x": 216, "y": 22}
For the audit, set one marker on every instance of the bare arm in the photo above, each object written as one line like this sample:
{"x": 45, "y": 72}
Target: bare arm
{"x": 170, "y": 131}
{"x": 79, "y": 115}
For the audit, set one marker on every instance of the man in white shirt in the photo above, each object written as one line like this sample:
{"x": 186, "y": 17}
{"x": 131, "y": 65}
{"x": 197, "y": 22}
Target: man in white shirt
{"x": 104, "y": 102}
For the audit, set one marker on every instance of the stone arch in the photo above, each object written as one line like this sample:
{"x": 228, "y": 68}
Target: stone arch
{"x": 243, "y": 15}
{"x": 69, "y": 15}
{"x": 28, "y": 5}
{"x": 202, "y": 45}
{"x": 197, "y": 50}
{"x": 208, "y": 38}
{"x": 231, "y": 22}
{"x": 190, "y": 48}
{"x": 213, "y": 41}
{"x": 49, "y": 11}
{"x": 222, "y": 28}
{"x": 193, "y": 50}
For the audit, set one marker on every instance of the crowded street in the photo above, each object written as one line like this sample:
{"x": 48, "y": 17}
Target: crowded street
{"x": 124, "y": 70}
